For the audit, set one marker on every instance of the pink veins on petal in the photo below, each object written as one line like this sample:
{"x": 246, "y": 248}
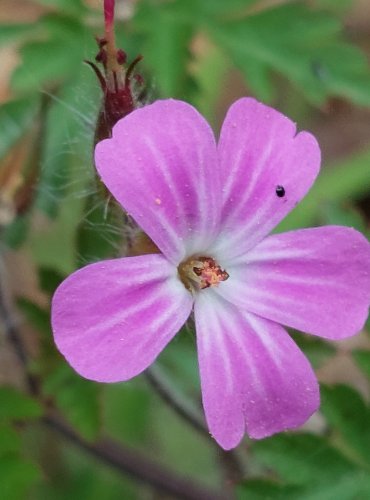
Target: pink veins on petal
{"x": 209, "y": 207}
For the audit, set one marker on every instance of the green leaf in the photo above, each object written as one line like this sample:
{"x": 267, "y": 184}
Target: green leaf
{"x": 10, "y": 33}
{"x": 44, "y": 64}
{"x": 259, "y": 79}
{"x": 298, "y": 458}
{"x": 362, "y": 358}
{"x": 180, "y": 446}
{"x": 210, "y": 71}
{"x": 166, "y": 46}
{"x": 303, "y": 44}
{"x": 84, "y": 477}
{"x": 16, "y": 477}
{"x": 317, "y": 350}
{"x": 338, "y": 7}
{"x": 339, "y": 214}
{"x": 352, "y": 486}
{"x": 67, "y": 154}
{"x": 18, "y": 406}
{"x": 68, "y": 6}
{"x": 9, "y": 440}
{"x": 77, "y": 398}
{"x": 54, "y": 245}
{"x": 100, "y": 231}
{"x": 179, "y": 360}
{"x": 49, "y": 279}
{"x": 16, "y": 233}
{"x": 16, "y": 117}
{"x": 349, "y": 415}
{"x": 127, "y": 411}
{"x": 51, "y": 62}
{"x": 259, "y": 489}
{"x": 38, "y": 317}
{"x": 349, "y": 179}
{"x": 220, "y": 8}
{"x": 307, "y": 461}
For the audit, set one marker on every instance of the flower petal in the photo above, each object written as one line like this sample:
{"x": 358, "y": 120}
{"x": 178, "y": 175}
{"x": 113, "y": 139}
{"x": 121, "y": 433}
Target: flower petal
{"x": 161, "y": 165}
{"x": 315, "y": 280}
{"x": 111, "y": 319}
{"x": 259, "y": 152}
{"x": 253, "y": 376}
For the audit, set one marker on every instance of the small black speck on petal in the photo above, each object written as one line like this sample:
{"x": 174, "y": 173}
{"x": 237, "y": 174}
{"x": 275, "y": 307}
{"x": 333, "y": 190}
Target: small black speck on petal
{"x": 280, "y": 191}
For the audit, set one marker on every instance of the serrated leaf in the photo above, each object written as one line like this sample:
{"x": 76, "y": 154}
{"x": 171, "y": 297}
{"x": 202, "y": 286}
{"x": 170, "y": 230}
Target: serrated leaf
{"x": 16, "y": 477}
{"x": 349, "y": 415}
{"x": 50, "y": 62}
{"x": 45, "y": 64}
{"x": 18, "y": 406}
{"x": 303, "y": 44}
{"x": 259, "y": 79}
{"x": 166, "y": 46}
{"x": 349, "y": 179}
{"x": 77, "y": 398}
{"x": 16, "y": 116}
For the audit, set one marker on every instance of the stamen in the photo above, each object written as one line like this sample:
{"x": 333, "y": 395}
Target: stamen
{"x": 199, "y": 273}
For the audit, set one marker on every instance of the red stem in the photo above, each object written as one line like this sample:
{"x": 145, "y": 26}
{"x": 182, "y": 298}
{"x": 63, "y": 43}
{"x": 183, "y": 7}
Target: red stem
{"x": 109, "y": 14}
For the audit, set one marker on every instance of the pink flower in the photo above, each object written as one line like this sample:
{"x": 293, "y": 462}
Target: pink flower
{"x": 209, "y": 208}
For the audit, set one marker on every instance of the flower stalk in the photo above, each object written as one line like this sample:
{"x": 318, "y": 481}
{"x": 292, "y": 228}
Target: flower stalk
{"x": 118, "y": 80}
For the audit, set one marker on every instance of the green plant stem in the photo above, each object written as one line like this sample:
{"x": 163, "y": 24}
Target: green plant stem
{"x": 230, "y": 460}
{"x": 175, "y": 400}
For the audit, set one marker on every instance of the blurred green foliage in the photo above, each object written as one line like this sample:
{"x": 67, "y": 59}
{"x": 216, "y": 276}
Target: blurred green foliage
{"x": 190, "y": 49}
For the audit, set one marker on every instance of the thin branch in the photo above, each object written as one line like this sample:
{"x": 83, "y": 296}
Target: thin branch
{"x": 13, "y": 335}
{"x": 172, "y": 397}
{"x": 136, "y": 465}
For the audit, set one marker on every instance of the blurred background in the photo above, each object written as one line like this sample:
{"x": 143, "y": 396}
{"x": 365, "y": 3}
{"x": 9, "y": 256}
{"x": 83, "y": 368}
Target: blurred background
{"x": 64, "y": 437}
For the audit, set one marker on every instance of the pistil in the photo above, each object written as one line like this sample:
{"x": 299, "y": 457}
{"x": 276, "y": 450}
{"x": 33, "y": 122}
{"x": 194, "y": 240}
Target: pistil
{"x": 198, "y": 273}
